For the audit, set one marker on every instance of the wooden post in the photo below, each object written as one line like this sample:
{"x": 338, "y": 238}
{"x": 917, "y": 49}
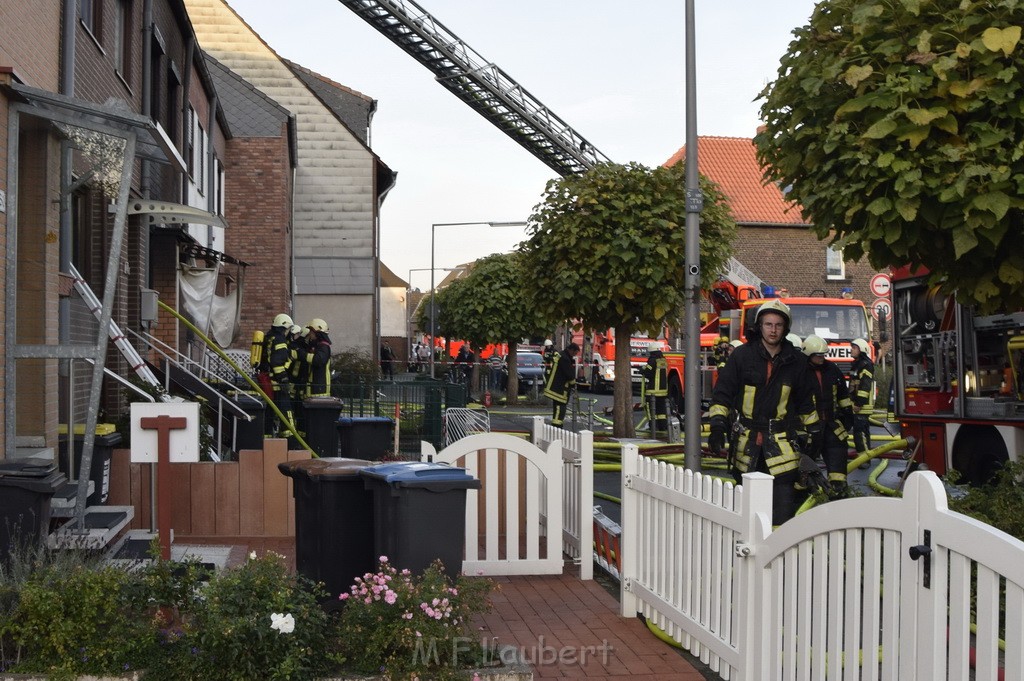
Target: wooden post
{"x": 163, "y": 425}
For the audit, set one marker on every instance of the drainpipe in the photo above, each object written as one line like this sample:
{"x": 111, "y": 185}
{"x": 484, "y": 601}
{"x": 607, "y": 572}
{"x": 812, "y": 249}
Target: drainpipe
{"x": 67, "y": 88}
{"x": 211, "y": 168}
{"x": 147, "y": 98}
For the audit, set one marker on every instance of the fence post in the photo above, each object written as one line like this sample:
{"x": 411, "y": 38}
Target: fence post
{"x": 537, "y": 423}
{"x": 586, "y": 502}
{"x": 630, "y": 531}
{"x": 751, "y": 607}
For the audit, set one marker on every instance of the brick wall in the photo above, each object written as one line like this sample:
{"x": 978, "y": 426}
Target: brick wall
{"x": 258, "y": 210}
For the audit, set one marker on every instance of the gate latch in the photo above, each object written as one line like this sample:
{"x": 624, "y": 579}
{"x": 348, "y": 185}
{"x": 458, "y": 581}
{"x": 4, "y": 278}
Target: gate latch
{"x": 924, "y": 551}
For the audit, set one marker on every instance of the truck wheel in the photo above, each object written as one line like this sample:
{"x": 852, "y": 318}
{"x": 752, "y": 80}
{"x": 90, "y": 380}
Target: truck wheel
{"x": 979, "y": 453}
{"x": 675, "y": 394}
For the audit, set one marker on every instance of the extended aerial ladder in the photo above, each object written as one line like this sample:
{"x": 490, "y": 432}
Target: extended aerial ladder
{"x": 480, "y": 84}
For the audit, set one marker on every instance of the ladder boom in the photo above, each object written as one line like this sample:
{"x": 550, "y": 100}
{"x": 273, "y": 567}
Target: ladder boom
{"x": 480, "y": 84}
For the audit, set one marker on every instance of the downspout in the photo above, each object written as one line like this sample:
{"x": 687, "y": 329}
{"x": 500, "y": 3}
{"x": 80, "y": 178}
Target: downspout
{"x": 211, "y": 167}
{"x": 67, "y": 88}
{"x": 376, "y": 259}
{"x": 147, "y": 98}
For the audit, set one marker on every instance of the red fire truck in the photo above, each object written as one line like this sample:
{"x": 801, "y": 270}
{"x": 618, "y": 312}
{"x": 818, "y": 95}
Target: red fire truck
{"x": 957, "y": 379}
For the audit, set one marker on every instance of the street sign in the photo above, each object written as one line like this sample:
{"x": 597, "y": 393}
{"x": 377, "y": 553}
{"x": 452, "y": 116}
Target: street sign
{"x": 881, "y": 308}
{"x": 881, "y": 285}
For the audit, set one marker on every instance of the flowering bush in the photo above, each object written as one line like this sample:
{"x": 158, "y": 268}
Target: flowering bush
{"x": 402, "y": 626}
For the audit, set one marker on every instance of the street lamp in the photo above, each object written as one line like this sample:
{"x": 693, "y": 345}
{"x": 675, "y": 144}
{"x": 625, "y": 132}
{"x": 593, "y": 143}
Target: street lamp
{"x": 694, "y": 204}
{"x": 433, "y": 293}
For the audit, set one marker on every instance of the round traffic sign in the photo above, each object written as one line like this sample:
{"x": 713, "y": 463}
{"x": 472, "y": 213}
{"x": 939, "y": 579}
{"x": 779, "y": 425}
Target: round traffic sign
{"x": 881, "y": 285}
{"x": 881, "y": 308}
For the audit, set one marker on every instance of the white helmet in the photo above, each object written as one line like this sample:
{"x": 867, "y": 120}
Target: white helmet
{"x": 778, "y": 307}
{"x": 795, "y": 340}
{"x": 861, "y": 344}
{"x": 282, "y": 320}
{"x": 815, "y": 345}
{"x": 548, "y": 343}
{"x": 736, "y": 343}
{"x": 296, "y": 329}
{"x": 318, "y": 325}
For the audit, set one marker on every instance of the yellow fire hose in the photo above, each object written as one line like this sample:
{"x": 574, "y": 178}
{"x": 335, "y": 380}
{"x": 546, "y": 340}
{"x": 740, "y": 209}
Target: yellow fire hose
{"x": 243, "y": 374}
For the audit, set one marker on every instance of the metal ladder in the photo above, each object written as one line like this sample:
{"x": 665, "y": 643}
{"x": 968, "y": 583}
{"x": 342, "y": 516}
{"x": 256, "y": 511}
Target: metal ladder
{"x": 480, "y": 84}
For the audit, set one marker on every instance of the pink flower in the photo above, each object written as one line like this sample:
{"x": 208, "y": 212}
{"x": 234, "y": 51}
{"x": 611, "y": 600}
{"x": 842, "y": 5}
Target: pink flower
{"x": 406, "y": 615}
{"x": 383, "y": 559}
{"x": 390, "y": 597}
{"x": 343, "y": 597}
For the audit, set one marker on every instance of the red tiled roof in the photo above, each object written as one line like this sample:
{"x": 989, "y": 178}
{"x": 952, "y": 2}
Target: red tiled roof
{"x": 732, "y": 164}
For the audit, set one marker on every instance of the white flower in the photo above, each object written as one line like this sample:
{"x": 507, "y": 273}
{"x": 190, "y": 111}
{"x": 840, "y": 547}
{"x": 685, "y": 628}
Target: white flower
{"x": 283, "y": 623}
{"x": 252, "y": 555}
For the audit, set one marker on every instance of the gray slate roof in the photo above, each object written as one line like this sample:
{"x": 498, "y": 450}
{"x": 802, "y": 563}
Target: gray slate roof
{"x": 250, "y": 113}
{"x": 354, "y": 109}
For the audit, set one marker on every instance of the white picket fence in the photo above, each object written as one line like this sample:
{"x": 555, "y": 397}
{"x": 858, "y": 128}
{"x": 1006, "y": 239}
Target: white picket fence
{"x": 577, "y": 496}
{"x": 868, "y": 588}
{"x": 521, "y": 486}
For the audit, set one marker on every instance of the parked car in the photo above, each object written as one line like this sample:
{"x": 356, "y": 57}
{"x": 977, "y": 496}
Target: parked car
{"x": 529, "y": 368}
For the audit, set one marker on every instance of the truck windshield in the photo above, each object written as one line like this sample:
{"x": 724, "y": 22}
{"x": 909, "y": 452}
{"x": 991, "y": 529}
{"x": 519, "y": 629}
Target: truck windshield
{"x": 831, "y": 322}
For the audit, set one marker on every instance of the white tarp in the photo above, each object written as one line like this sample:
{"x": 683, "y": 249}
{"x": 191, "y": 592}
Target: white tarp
{"x": 216, "y": 316}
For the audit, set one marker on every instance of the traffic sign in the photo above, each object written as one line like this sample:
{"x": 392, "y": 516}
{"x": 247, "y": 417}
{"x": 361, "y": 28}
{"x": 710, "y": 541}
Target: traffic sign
{"x": 881, "y": 308}
{"x": 881, "y": 285}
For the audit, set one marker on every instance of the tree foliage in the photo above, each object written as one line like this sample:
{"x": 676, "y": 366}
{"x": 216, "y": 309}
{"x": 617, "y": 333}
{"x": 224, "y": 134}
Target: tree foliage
{"x": 898, "y": 124}
{"x": 492, "y": 305}
{"x": 607, "y": 247}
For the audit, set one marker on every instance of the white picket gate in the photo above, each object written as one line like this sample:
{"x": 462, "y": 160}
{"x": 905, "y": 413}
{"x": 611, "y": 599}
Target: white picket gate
{"x": 577, "y": 491}
{"x": 518, "y": 481}
{"x": 870, "y": 588}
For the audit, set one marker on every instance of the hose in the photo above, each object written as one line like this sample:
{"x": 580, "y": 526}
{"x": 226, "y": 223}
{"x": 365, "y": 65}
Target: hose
{"x": 244, "y": 374}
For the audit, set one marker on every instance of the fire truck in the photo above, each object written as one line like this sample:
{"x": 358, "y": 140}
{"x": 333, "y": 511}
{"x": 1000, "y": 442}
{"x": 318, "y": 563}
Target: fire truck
{"x": 598, "y": 370}
{"x": 957, "y": 379}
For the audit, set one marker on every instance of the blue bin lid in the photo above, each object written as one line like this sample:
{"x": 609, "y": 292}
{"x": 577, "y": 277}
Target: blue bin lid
{"x": 350, "y": 420}
{"x": 434, "y": 476}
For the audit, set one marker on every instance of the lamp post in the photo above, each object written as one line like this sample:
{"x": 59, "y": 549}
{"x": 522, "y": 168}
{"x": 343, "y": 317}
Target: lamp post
{"x": 694, "y": 204}
{"x": 433, "y": 293}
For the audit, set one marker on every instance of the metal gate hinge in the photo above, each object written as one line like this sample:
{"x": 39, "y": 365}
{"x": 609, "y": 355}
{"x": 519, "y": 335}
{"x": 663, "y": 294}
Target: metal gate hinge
{"x": 744, "y": 550}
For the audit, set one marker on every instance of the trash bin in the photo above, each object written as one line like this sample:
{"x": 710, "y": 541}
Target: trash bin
{"x": 366, "y": 437}
{"x": 250, "y": 434}
{"x": 321, "y": 424}
{"x": 333, "y": 521}
{"x": 107, "y": 438}
{"x": 26, "y": 486}
{"x": 419, "y": 513}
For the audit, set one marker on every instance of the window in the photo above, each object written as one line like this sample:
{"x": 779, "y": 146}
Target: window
{"x": 123, "y": 39}
{"x": 835, "y": 267}
{"x": 91, "y": 13}
{"x": 190, "y": 142}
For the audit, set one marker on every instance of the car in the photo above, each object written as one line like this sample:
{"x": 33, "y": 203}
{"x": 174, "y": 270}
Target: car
{"x": 529, "y": 368}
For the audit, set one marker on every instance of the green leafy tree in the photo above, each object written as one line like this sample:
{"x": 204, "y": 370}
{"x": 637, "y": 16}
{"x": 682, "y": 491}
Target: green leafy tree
{"x": 442, "y": 315}
{"x": 898, "y": 124}
{"x": 607, "y": 248}
{"x": 490, "y": 305}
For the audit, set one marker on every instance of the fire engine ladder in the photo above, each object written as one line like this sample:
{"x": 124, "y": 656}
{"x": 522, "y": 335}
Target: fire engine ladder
{"x": 482, "y": 85}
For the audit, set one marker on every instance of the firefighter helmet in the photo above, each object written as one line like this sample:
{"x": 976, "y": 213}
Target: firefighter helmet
{"x": 282, "y": 320}
{"x": 548, "y": 343}
{"x": 815, "y": 345}
{"x": 736, "y": 343}
{"x": 795, "y": 340}
{"x": 778, "y": 307}
{"x": 295, "y": 330}
{"x": 861, "y": 345}
{"x": 319, "y": 325}
{"x": 722, "y": 339}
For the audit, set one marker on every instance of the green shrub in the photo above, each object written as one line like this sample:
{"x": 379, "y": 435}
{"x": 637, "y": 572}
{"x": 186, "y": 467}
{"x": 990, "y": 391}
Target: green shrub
{"x": 1000, "y": 504}
{"x": 406, "y": 626}
{"x": 354, "y": 366}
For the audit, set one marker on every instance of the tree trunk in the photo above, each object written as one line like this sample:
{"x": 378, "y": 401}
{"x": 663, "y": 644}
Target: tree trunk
{"x": 623, "y": 410}
{"x": 512, "y": 391}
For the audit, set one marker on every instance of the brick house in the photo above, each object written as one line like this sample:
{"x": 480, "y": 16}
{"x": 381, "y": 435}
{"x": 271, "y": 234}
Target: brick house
{"x": 339, "y": 183}
{"x": 117, "y": 174}
{"x": 774, "y": 241}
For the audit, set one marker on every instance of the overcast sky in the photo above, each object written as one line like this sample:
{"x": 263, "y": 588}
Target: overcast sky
{"x": 613, "y": 70}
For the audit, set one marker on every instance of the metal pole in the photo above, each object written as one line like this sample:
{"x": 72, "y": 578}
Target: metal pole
{"x": 432, "y": 295}
{"x": 694, "y": 203}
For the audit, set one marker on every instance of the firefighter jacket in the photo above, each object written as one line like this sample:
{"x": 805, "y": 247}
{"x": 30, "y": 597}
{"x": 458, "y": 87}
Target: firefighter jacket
{"x": 318, "y": 358}
{"x": 832, "y": 397}
{"x": 773, "y": 400}
{"x": 862, "y": 382}
{"x": 548, "y": 358}
{"x": 655, "y": 375}
{"x": 561, "y": 378}
{"x": 299, "y": 370}
{"x": 277, "y": 354}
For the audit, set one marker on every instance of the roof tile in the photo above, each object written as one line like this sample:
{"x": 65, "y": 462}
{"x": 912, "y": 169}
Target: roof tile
{"x": 732, "y": 163}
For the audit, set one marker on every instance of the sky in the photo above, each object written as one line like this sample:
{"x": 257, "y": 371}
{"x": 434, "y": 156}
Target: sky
{"x": 612, "y": 70}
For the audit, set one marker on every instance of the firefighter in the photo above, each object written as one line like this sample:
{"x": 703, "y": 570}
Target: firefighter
{"x": 834, "y": 409}
{"x": 655, "y": 384}
{"x": 548, "y": 355}
{"x": 862, "y": 393}
{"x": 298, "y": 372}
{"x": 560, "y": 382}
{"x": 767, "y": 384}
{"x": 720, "y": 355}
{"x": 277, "y": 362}
{"x": 318, "y": 357}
